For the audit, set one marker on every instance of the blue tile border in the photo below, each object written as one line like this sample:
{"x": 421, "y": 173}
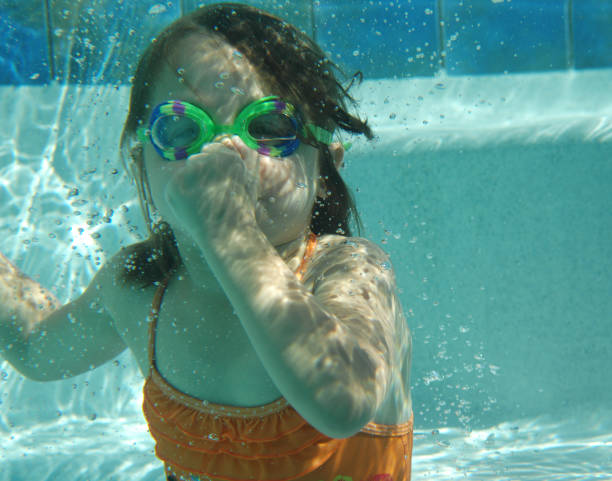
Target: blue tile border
{"x": 24, "y": 56}
{"x": 107, "y": 52}
{"x": 299, "y": 15}
{"x": 383, "y": 39}
{"x": 486, "y": 36}
{"x": 592, "y": 32}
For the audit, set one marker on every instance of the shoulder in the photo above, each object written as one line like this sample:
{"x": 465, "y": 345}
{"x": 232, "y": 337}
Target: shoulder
{"x": 116, "y": 288}
{"x": 349, "y": 247}
{"x": 124, "y": 298}
{"x": 121, "y": 263}
{"x": 351, "y": 256}
{"x": 354, "y": 271}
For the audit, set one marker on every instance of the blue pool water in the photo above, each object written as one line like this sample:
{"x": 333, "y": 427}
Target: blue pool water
{"x": 491, "y": 195}
{"x": 488, "y": 184}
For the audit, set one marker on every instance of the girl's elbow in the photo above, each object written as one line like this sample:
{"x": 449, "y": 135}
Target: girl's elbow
{"x": 343, "y": 430}
{"x": 343, "y": 418}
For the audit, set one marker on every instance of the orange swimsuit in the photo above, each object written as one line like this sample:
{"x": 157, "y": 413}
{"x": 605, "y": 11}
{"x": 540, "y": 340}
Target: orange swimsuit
{"x": 202, "y": 441}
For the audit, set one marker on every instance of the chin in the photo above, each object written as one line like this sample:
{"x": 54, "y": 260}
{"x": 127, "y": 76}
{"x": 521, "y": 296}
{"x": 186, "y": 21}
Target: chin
{"x": 284, "y": 220}
{"x": 279, "y": 237}
{"x": 279, "y": 231}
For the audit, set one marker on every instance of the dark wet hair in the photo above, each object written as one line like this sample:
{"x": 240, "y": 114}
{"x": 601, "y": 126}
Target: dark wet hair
{"x": 299, "y": 72}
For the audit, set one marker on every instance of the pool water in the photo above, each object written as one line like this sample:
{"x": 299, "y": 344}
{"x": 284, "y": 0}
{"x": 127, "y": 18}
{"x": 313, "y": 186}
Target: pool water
{"x": 491, "y": 195}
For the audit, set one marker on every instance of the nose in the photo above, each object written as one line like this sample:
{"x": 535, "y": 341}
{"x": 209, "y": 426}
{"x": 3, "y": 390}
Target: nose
{"x": 220, "y": 137}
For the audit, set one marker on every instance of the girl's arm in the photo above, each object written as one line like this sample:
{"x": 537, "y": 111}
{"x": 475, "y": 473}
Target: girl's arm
{"x": 46, "y": 342}
{"x": 333, "y": 351}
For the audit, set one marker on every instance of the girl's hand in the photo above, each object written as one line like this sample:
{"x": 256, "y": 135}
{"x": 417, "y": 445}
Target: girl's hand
{"x": 216, "y": 190}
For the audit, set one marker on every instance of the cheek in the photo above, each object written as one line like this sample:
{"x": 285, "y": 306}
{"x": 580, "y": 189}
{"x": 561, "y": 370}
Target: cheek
{"x": 287, "y": 204}
{"x": 286, "y": 192}
{"x": 158, "y": 172}
{"x": 286, "y": 177}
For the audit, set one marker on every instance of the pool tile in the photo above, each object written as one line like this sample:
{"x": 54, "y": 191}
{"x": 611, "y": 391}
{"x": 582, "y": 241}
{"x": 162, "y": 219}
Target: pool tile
{"x": 296, "y": 12}
{"x": 592, "y": 26}
{"x": 24, "y": 56}
{"x": 100, "y": 41}
{"x": 494, "y": 36}
{"x": 382, "y": 39}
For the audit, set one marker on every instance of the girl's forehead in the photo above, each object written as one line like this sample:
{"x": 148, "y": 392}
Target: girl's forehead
{"x": 205, "y": 70}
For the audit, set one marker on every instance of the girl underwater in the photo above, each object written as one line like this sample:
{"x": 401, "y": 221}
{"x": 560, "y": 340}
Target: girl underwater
{"x": 272, "y": 343}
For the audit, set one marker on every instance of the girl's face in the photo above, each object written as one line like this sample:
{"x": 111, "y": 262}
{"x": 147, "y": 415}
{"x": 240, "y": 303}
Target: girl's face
{"x": 206, "y": 71}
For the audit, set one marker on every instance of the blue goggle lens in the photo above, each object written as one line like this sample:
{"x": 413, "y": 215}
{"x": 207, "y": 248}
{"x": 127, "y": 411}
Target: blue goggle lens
{"x": 273, "y": 129}
{"x": 175, "y": 131}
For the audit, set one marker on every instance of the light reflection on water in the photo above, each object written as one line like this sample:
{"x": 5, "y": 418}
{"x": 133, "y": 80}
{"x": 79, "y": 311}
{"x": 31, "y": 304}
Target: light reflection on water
{"x": 77, "y": 448}
{"x": 65, "y": 198}
{"x": 542, "y": 449}
{"x": 545, "y": 448}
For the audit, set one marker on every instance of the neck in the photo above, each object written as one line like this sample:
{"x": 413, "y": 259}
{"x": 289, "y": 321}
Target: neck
{"x": 290, "y": 252}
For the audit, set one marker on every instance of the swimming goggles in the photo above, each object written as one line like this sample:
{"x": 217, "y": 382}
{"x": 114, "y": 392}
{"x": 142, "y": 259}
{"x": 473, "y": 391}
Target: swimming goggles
{"x": 178, "y": 129}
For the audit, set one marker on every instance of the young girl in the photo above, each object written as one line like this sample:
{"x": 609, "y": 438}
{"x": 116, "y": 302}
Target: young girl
{"x": 273, "y": 345}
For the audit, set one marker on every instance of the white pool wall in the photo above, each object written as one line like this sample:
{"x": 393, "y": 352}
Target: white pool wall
{"x": 492, "y": 195}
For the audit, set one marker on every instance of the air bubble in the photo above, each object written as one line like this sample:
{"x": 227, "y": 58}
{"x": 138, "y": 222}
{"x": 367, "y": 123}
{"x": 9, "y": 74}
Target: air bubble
{"x": 157, "y": 9}
{"x": 237, "y": 91}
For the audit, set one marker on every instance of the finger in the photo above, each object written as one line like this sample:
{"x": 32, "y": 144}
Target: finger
{"x": 240, "y": 147}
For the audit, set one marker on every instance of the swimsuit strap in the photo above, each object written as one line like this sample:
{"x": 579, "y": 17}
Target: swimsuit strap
{"x": 161, "y": 289}
{"x": 153, "y": 316}
{"x": 310, "y": 247}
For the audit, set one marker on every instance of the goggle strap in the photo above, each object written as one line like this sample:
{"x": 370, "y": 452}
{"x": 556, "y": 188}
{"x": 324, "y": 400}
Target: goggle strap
{"x": 319, "y": 133}
{"x": 142, "y": 134}
{"x": 325, "y": 136}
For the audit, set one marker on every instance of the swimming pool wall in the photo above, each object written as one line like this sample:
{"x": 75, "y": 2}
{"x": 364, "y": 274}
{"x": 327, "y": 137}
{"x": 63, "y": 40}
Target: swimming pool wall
{"x": 99, "y": 41}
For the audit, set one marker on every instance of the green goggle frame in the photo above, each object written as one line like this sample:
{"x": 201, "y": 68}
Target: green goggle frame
{"x": 205, "y": 129}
